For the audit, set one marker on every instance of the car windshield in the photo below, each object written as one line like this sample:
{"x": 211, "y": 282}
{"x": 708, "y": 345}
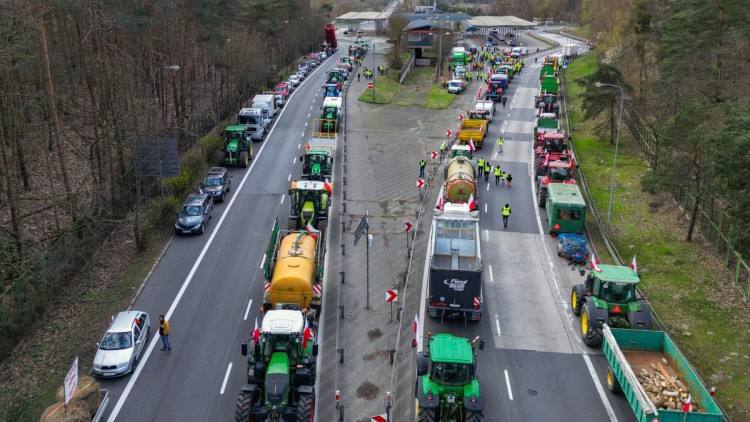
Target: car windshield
{"x": 558, "y": 173}
{"x": 455, "y": 84}
{"x": 245, "y": 120}
{"x": 618, "y": 292}
{"x": 213, "y": 181}
{"x": 451, "y": 373}
{"x": 191, "y": 211}
{"x": 116, "y": 341}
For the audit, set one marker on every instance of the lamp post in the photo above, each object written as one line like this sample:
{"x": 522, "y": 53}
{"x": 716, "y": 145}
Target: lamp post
{"x": 617, "y": 146}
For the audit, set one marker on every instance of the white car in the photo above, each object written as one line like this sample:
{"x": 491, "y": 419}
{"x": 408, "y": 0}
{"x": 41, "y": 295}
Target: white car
{"x": 118, "y": 351}
{"x": 455, "y": 86}
{"x": 294, "y": 80}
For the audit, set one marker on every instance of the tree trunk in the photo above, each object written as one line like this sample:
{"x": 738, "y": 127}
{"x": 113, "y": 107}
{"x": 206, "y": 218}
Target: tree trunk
{"x": 11, "y": 194}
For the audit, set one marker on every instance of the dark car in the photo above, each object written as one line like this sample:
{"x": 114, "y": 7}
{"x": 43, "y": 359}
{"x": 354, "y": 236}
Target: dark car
{"x": 217, "y": 183}
{"x": 194, "y": 215}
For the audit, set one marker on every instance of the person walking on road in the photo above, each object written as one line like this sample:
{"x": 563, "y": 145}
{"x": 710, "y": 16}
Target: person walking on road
{"x": 487, "y": 170}
{"x": 422, "y": 165}
{"x": 164, "y": 330}
{"x": 498, "y": 174}
{"x": 358, "y": 75}
{"x": 500, "y": 143}
{"x": 504, "y": 100}
{"x": 480, "y": 166}
{"x": 505, "y": 211}
{"x": 508, "y": 179}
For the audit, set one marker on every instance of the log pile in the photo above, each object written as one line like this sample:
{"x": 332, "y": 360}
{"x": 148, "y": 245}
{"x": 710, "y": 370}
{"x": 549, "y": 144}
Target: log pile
{"x": 664, "y": 390}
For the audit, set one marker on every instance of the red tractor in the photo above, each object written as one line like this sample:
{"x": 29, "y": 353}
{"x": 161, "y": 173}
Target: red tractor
{"x": 553, "y": 163}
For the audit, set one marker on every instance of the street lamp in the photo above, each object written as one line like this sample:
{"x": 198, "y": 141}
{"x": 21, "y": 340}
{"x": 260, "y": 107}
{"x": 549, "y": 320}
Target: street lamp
{"x": 617, "y": 145}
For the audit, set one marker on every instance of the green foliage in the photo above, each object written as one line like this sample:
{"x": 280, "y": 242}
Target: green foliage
{"x": 438, "y": 98}
{"x": 386, "y": 89}
{"x": 211, "y": 144}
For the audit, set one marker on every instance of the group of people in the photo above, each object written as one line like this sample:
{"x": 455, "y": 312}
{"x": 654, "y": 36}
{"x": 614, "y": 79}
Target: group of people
{"x": 501, "y": 177}
{"x": 367, "y": 73}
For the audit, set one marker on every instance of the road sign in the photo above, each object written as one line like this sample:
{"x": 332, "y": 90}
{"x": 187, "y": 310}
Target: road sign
{"x": 391, "y": 296}
{"x": 420, "y": 183}
{"x": 434, "y": 154}
{"x": 407, "y": 226}
{"x": 71, "y": 381}
{"x": 363, "y": 225}
{"x": 370, "y": 85}
{"x": 448, "y": 133}
{"x": 460, "y": 117}
{"x": 378, "y": 418}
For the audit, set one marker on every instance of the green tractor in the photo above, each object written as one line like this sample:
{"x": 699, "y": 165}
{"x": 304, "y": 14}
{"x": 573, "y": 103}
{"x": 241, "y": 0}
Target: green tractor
{"x": 310, "y": 202}
{"x": 609, "y": 296}
{"x": 331, "y": 114}
{"x": 280, "y": 370}
{"x": 447, "y": 383}
{"x": 238, "y": 146}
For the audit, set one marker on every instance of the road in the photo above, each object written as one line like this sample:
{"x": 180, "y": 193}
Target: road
{"x": 210, "y": 286}
{"x": 535, "y": 367}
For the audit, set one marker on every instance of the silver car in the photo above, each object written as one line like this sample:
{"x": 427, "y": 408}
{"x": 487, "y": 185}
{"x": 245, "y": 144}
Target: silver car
{"x": 122, "y": 344}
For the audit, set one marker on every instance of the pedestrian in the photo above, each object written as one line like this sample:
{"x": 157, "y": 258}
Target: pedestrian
{"x": 164, "y": 330}
{"x": 422, "y": 165}
{"x": 505, "y": 211}
{"x": 487, "y": 170}
{"x": 500, "y": 143}
{"x": 504, "y": 100}
{"x": 498, "y": 174}
{"x": 480, "y": 165}
{"x": 357, "y": 76}
{"x": 508, "y": 179}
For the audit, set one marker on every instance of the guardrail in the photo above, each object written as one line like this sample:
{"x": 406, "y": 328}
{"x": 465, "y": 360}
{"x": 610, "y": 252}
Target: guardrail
{"x": 102, "y": 406}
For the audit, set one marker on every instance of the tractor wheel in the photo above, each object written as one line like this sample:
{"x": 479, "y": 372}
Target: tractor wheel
{"x": 592, "y": 336}
{"x": 242, "y": 407}
{"x": 243, "y": 159}
{"x": 474, "y": 416}
{"x": 305, "y": 408}
{"x": 292, "y": 223}
{"x": 432, "y": 312}
{"x": 426, "y": 415}
{"x": 612, "y": 383}
{"x": 542, "y": 197}
{"x": 575, "y": 300}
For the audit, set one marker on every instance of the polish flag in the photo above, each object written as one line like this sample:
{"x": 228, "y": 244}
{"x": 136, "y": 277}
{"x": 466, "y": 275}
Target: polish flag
{"x": 312, "y": 231}
{"x": 256, "y": 332}
{"x": 472, "y": 203}
{"x": 328, "y": 187}
{"x": 595, "y": 263}
{"x": 307, "y": 335}
{"x": 687, "y": 403}
{"x": 472, "y": 148}
{"x": 634, "y": 265}
{"x": 415, "y": 330}
{"x": 440, "y": 203}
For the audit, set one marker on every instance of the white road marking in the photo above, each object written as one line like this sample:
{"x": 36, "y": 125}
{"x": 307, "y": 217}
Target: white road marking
{"x": 600, "y": 389}
{"x": 507, "y": 384}
{"x": 497, "y": 326}
{"x": 486, "y": 235}
{"x": 263, "y": 261}
{"x": 485, "y": 208}
{"x": 488, "y": 187}
{"x": 294, "y": 161}
{"x": 283, "y": 197}
{"x": 299, "y": 145}
{"x": 155, "y": 339}
{"x": 289, "y": 177}
{"x": 247, "y": 311}
{"x": 302, "y": 135}
{"x": 307, "y": 122}
{"x": 492, "y": 277}
{"x": 226, "y": 378}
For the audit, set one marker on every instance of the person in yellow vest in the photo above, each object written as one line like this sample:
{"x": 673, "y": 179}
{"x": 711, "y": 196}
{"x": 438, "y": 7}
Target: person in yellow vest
{"x": 498, "y": 174}
{"x": 480, "y": 166}
{"x": 500, "y": 143}
{"x": 505, "y": 211}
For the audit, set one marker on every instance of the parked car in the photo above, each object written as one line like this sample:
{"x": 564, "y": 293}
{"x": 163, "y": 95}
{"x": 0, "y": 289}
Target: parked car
{"x": 294, "y": 81}
{"x": 194, "y": 215}
{"x": 301, "y": 76}
{"x": 122, "y": 345}
{"x": 455, "y": 86}
{"x": 217, "y": 183}
{"x": 323, "y": 55}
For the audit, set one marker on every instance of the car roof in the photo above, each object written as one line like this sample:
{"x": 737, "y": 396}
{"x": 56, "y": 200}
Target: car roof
{"x": 123, "y": 321}
{"x": 195, "y": 199}
{"x": 283, "y": 321}
{"x": 217, "y": 170}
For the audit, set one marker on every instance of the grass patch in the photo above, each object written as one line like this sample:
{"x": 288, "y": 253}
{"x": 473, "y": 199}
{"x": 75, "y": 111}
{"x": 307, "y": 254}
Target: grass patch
{"x": 686, "y": 283}
{"x": 438, "y": 98}
{"x": 386, "y": 87}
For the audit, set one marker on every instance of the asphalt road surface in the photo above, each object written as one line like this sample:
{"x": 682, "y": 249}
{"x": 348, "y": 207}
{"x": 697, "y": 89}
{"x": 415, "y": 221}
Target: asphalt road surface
{"x": 210, "y": 286}
{"x": 534, "y": 366}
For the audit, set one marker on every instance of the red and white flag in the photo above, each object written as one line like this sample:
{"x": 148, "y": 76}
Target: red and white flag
{"x": 256, "y": 332}
{"x": 440, "y": 203}
{"x": 472, "y": 203}
{"x": 687, "y": 403}
{"x": 415, "y": 330}
{"x": 634, "y": 265}
{"x": 595, "y": 263}
{"x": 472, "y": 148}
{"x": 328, "y": 186}
{"x": 307, "y": 335}
{"x": 312, "y": 231}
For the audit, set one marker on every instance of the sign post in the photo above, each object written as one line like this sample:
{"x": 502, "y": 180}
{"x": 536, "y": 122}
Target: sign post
{"x": 71, "y": 382}
{"x": 364, "y": 227}
{"x": 407, "y": 229}
{"x": 390, "y": 297}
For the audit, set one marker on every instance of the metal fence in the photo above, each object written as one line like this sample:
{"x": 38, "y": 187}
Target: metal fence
{"x": 406, "y": 68}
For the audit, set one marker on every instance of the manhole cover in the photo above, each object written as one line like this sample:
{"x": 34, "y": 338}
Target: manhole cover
{"x": 532, "y": 392}
{"x": 367, "y": 391}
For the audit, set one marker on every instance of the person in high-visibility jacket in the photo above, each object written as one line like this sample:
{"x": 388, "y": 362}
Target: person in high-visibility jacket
{"x": 480, "y": 166}
{"x": 500, "y": 143}
{"x": 505, "y": 211}
{"x": 498, "y": 174}
{"x": 442, "y": 148}
{"x": 487, "y": 170}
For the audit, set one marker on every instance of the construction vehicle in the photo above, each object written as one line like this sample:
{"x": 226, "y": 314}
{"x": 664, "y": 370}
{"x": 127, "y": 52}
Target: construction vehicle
{"x": 317, "y": 160}
{"x": 330, "y": 32}
{"x": 281, "y": 360}
{"x": 460, "y": 180}
{"x": 566, "y": 209}
{"x": 557, "y": 168}
{"x": 447, "y": 382}
{"x": 609, "y": 296}
{"x": 331, "y": 113}
{"x": 310, "y": 201}
{"x": 638, "y": 357}
{"x": 455, "y": 277}
{"x": 472, "y": 130}
{"x": 483, "y": 110}
{"x": 294, "y": 270}
{"x": 238, "y": 146}
{"x": 255, "y": 121}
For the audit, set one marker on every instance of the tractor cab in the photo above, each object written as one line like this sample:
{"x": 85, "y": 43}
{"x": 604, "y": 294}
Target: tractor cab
{"x": 565, "y": 207}
{"x": 317, "y": 164}
{"x": 331, "y": 112}
{"x": 447, "y": 383}
{"x": 461, "y": 151}
{"x": 310, "y": 201}
{"x": 335, "y": 77}
{"x": 551, "y": 142}
{"x": 238, "y": 146}
{"x": 609, "y": 296}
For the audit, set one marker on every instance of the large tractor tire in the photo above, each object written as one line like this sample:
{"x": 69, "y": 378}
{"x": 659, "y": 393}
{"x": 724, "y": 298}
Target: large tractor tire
{"x": 292, "y": 223}
{"x": 592, "y": 336}
{"x": 244, "y": 159}
{"x": 474, "y": 416}
{"x": 612, "y": 384}
{"x": 542, "y": 197}
{"x": 576, "y": 299}
{"x": 426, "y": 415}
{"x": 242, "y": 407}
{"x": 305, "y": 408}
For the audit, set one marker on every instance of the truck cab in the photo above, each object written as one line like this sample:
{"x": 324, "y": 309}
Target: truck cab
{"x": 256, "y": 122}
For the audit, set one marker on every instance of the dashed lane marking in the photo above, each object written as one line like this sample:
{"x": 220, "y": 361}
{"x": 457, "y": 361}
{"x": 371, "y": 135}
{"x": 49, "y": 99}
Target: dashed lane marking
{"x": 247, "y": 311}
{"x": 507, "y": 384}
{"x": 226, "y": 378}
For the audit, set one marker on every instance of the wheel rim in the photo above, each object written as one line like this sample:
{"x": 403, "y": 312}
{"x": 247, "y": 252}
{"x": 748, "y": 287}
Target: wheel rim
{"x": 584, "y": 323}
{"x": 574, "y": 299}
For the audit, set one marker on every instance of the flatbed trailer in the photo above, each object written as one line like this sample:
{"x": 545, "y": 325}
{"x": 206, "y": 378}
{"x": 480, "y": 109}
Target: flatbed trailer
{"x": 630, "y": 352}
